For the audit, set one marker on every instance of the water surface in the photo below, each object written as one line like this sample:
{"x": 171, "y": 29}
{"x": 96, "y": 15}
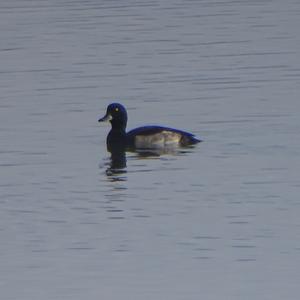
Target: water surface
{"x": 218, "y": 221}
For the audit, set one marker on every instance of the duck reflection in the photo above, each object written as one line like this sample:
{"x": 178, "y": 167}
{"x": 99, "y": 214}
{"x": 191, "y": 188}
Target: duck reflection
{"x": 117, "y": 163}
{"x": 117, "y": 166}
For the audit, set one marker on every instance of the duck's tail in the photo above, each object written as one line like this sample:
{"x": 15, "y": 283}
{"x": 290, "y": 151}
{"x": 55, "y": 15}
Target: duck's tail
{"x": 188, "y": 140}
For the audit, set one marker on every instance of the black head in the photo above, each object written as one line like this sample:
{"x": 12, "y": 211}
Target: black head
{"x": 117, "y": 115}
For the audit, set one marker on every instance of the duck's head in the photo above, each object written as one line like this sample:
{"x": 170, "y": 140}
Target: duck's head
{"x": 116, "y": 114}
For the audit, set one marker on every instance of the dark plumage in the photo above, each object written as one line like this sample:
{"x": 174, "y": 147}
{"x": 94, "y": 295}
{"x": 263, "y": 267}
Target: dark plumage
{"x": 147, "y": 137}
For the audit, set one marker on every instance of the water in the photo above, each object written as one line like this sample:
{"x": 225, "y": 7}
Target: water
{"x": 218, "y": 221}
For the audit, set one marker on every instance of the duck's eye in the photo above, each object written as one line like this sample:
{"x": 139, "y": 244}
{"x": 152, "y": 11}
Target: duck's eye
{"x": 116, "y": 109}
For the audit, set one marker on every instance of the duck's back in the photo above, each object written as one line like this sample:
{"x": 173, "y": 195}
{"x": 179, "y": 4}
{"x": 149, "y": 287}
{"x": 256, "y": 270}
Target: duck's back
{"x": 158, "y": 136}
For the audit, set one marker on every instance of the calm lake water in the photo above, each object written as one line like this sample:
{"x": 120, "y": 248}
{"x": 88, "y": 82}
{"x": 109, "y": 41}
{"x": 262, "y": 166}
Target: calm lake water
{"x": 217, "y": 221}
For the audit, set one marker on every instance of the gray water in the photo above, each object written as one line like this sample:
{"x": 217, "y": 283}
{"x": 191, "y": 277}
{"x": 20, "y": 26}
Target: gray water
{"x": 218, "y": 221}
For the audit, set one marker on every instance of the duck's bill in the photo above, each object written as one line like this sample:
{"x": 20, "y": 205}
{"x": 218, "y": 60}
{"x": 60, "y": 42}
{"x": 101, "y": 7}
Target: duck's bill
{"x": 107, "y": 117}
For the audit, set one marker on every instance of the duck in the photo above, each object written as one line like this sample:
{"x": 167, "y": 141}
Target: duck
{"x": 145, "y": 137}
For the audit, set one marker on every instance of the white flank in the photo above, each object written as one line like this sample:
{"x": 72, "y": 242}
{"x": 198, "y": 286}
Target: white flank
{"x": 157, "y": 140}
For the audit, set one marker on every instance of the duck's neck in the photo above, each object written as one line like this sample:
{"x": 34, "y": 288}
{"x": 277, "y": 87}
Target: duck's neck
{"x": 118, "y": 126}
{"x": 116, "y": 139}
